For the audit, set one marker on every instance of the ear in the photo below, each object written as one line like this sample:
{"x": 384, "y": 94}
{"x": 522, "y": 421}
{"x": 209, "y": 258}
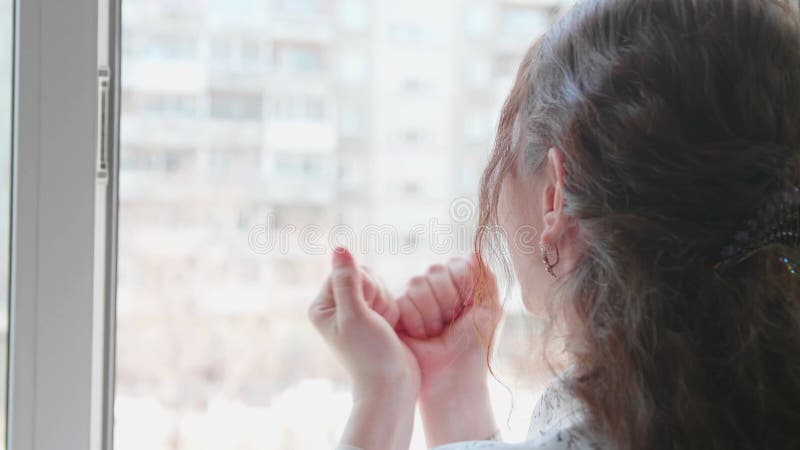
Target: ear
{"x": 555, "y": 221}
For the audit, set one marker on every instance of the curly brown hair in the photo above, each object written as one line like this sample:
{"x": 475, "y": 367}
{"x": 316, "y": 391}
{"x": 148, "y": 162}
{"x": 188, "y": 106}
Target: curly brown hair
{"x": 676, "y": 118}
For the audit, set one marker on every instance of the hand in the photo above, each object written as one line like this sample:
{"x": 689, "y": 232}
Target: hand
{"x": 449, "y": 333}
{"x": 353, "y": 314}
{"x": 441, "y": 323}
{"x": 378, "y": 297}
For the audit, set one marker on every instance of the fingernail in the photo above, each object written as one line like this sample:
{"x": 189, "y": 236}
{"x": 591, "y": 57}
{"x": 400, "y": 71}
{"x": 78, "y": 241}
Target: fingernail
{"x": 341, "y": 256}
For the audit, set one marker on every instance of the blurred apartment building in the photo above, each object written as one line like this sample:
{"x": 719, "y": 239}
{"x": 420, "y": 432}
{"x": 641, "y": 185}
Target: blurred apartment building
{"x": 309, "y": 111}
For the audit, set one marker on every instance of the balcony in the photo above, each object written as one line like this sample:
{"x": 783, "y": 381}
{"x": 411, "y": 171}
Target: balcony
{"x": 301, "y": 136}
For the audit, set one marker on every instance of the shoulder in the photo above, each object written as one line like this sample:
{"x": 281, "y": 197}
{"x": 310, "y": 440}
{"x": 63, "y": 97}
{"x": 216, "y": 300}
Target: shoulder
{"x": 558, "y": 422}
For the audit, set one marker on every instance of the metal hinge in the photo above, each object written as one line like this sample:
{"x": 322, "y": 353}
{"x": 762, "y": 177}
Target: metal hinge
{"x": 103, "y": 124}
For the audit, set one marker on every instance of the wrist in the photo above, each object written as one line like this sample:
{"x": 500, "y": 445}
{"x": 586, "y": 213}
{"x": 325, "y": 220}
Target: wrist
{"x": 381, "y": 418}
{"x": 400, "y": 391}
{"x": 460, "y": 410}
{"x": 455, "y": 391}
{"x": 469, "y": 373}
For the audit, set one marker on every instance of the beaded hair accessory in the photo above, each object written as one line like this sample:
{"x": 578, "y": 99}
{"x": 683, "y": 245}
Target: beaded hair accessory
{"x": 776, "y": 222}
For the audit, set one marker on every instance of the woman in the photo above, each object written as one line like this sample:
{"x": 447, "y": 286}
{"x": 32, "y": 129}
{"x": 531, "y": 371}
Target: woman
{"x": 654, "y": 145}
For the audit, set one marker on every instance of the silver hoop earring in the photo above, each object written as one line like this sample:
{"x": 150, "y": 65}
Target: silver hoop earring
{"x": 543, "y": 248}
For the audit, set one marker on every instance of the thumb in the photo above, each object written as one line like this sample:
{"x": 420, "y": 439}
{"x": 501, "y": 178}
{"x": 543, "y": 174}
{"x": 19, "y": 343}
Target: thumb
{"x": 346, "y": 284}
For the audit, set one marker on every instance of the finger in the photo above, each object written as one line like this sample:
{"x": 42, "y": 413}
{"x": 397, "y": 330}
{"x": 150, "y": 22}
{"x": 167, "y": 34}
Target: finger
{"x": 444, "y": 289}
{"x": 410, "y": 318}
{"x": 346, "y": 285}
{"x": 391, "y": 312}
{"x": 378, "y": 298}
{"x": 368, "y": 287}
{"x": 459, "y": 270}
{"x": 375, "y": 277}
{"x": 323, "y": 306}
{"x": 420, "y": 293}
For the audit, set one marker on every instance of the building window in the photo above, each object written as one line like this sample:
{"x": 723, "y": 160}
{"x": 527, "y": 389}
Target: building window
{"x": 410, "y": 33}
{"x": 300, "y": 165}
{"x": 352, "y": 14}
{"x": 524, "y": 21}
{"x": 175, "y": 105}
{"x": 298, "y": 107}
{"x": 413, "y": 85}
{"x": 302, "y": 8}
{"x": 164, "y": 160}
{"x": 226, "y": 105}
{"x": 476, "y": 21}
{"x": 350, "y": 122}
{"x": 298, "y": 59}
{"x": 163, "y": 47}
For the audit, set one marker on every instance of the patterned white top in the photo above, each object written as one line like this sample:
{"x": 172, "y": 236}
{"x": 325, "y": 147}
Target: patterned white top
{"x": 557, "y": 423}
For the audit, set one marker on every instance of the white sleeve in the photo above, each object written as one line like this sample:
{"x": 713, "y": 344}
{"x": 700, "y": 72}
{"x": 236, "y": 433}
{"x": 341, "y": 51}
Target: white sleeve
{"x": 467, "y": 445}
{"x": 558, "y": 440}
{"x": 482, "y": 445}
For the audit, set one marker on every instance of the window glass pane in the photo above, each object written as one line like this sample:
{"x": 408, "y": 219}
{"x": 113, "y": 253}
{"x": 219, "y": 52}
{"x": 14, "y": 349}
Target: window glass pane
{"x": 257, "y": 134}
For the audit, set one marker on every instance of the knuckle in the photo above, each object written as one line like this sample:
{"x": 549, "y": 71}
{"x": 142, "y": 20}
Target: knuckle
{"x": 419, "y": 331}
{"x": 417, "y": 280}
{"x": 313, "y": 313}
{"x": 436, "y": 268}
{"x": 347, "y": 321}
{"x": 344, "y": 278}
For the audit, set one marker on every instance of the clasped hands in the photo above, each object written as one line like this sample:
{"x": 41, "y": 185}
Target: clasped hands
{"x": 429, "y": 344}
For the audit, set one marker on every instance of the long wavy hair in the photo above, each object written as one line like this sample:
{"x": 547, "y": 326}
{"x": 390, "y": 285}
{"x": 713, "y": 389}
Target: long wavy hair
{"x": 676, "y": 118}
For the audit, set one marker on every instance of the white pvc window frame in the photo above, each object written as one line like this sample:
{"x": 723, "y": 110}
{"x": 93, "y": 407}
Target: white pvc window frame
{"x": 62, "y": 226}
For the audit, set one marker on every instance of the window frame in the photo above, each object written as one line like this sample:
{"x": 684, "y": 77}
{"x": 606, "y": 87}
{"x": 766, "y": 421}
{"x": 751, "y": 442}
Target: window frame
{"x": 62, "y": 227}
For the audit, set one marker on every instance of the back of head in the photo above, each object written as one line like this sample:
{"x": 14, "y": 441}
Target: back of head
{"x": 677, "y": 120}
